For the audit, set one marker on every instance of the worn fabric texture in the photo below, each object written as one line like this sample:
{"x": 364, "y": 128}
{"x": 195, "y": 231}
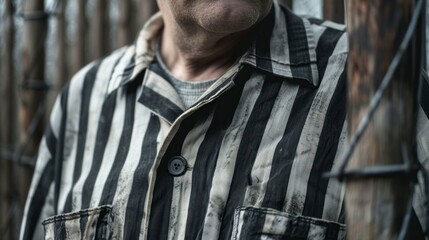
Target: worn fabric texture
{"x": 254, "y": 145}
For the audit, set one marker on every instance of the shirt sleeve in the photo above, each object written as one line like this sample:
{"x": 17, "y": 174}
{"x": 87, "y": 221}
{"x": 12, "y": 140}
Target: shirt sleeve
{"x": 422, "y": 145}
{"x": 40, "y": 200}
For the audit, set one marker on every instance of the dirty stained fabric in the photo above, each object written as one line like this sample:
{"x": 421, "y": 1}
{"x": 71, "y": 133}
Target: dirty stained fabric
{"x": 253, "y": 147}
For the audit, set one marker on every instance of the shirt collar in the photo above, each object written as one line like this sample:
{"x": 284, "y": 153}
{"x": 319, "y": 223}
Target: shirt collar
{"x": 282, "y": 44}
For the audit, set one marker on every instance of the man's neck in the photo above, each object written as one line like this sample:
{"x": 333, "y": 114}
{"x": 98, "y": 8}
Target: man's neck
{"x": 195, "y": 54}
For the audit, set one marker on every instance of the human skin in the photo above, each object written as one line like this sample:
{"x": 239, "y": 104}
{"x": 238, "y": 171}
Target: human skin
{"x": 201, "y": 37}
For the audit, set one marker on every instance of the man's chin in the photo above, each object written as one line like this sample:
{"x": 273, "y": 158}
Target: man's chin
{"x": 229, "y": 18}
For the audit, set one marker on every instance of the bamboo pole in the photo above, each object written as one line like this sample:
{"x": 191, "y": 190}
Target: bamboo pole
{"x": 33, "y": 66}
{"x": 61, "y": 65}
{"x": 334, "y": 10}
{"x": 8, "y": 125}
{"x": 31, "y": 111}
{"x": 125, "y": 22}
{"x": 375, "y": 206}
{"x": 100, "y": 29}
{"x": 79, "y": 41}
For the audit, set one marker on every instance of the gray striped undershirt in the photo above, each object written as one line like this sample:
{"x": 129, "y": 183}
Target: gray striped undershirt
{"x": 188, "y": 91}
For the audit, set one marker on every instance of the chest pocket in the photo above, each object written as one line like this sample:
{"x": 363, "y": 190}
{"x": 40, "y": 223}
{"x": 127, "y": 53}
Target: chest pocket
{"x": 261, "y": 223}
{"x": 94, "y": 223}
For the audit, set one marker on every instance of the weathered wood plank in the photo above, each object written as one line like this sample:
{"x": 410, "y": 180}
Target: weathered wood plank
{"x": 125, "y": 22}
{"x": 8, "y": 120}
{"x": 334, "y": 10}
{"x": 100, "y": 29}
{"x": 79, "y": 40}
{"x": 375, "y": 206}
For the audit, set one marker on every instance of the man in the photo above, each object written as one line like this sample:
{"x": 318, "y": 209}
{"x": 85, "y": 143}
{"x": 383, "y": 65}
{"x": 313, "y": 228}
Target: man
{"x": 216, "y": 124}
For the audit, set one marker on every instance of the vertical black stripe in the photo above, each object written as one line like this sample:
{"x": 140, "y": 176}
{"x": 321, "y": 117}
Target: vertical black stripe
{"x": 263, "y": 37}
{"x": 415, "y": 230}
{"x": 135, "y": 206}
{"x": 342, "y": 216}
{"x": 111, "y": 183}
{"x": 83, "y": 220}
{"x": 285, "y": 150}
{"x": 103, "y": 229}
{"x": 42, "y": 189}
{"x": 316, "y": 21}
{"x": 206, "y": 159}
{"x": 83, "y": 127}
{"x": 51, "y": 140}
{"x": 60, "y": 229}
{"x": 103, "y": 132}
{"x": 59, "y": 154}
{"x": 332, "y": 230}
{"x": 298, "y": 46}
{"x": 38, "y": 200}
{"x": 248, "y": 149}
{"x": 326, "y": 151}
{"x": 424, "y": 94}
{"x": 331, "y": 132}
{"x": 160, "y": 105}
{"x": 325, "y": 47}
{"x": 162, "y": 196}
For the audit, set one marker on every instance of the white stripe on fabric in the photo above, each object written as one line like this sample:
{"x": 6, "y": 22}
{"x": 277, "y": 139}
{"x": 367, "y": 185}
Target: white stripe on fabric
{"x": 70, "y": 136}
{"x": 334, "y": 192}
{"x": 111, "y": 149}
{"x": 42, "y": 160}
{"x": 227, "y": 156}
{"x": 125, "y": 56}
{"x": 274, "y": 130}
{"x": 95, "y": 107}
{"x": 47, "y": 211}
{"x": 72, "y": 226}
{"x": 275, "y": 224}
{"x": 238, "y": 224}
{"x": 316, "y": 232}
{"x": 309, "y": 139}
{"x": 317, "y": 33}
{"x": 311, "y": 46}
{"x": 164, "y": 132}
{"x": 183, "y": 185}
{"x": 55, "y": 118}
{"x": 49, "y": 231}
{"x": 126, "y": 176}
{"x": 337, "y": 26}
{"x": 43, "y": 156}
{"x": 279, "y": 47}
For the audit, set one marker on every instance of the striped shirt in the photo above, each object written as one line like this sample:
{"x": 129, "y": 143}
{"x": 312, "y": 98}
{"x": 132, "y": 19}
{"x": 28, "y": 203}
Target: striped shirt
{"x": 123, "y": 159}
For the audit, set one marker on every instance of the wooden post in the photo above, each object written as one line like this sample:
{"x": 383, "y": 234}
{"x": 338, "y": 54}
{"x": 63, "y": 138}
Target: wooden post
{"x": 79, "y": 41}
{"x": 33, "y": 66}
{"x": 100, "y": 29}
{"x": 334, "y": 10}
{"x": 125, "y": 23}
{"x": 8, "y": 124}
{"x": 62, "y": 72}
{"x": 147, "y": 9}
{"x": 375, "y": 206}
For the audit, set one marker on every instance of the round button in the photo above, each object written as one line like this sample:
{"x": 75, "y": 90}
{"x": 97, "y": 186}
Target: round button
{"x": 177, "y": 166}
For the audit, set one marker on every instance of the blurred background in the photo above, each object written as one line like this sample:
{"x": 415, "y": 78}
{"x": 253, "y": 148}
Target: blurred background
{"x": 43, "y": 43}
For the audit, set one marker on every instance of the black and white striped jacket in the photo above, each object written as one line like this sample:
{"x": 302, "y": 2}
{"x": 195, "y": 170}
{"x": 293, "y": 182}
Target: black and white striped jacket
{"x": 123, "y": 159}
